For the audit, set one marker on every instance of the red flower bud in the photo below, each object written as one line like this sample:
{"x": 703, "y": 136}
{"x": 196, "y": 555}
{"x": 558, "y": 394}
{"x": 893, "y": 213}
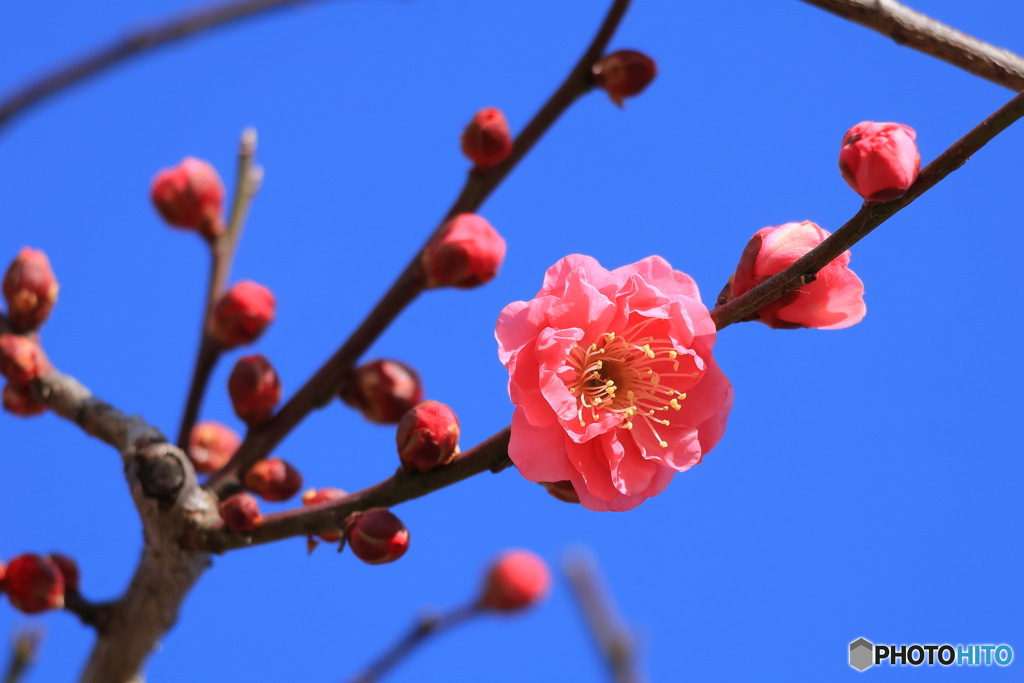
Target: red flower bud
{"x": 211, "y": 445}
{"x": 314, "y": 497}
{"x": 255, "y": 389}
{"x": 242, "y": 314}
{"x": 34, "y": 584}
{"x": 241, "y": 513}
{"x": 624, "y": 74}
{"x": 376, "y": 536}
{"x": 562, "y": 490}
{"x": 191, "y": 196}
{"x": 428, "y": 436}
{"x": 487, "y": 141}
{"x": 68, "y": 569}
{"x": 517, "y": 579}
{"x": 19, "y": 400}
{"x": 466, "y": 253}
{"x": 30, "y": 288}
{"x": 383, "y": 390}
{"x": 879, "y": 161}
{"x": 21, "y": 359}
{"x": 273, "y": 479}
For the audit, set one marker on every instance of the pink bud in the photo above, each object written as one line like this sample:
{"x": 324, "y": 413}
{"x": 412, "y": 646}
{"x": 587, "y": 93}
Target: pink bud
{"x": 376, "y": 536}
{"x": 19, "y": 400}
{"x": 241, "y": 513}
{"x": 68, "y": 569}
{"x": 517, "y": 579}
{"x": 191, "y": 196}
{"x": 30, "y": 288}
{"x": 273, "y": 480}
{"x": 466, "y": 253}
{"x": 34, "y": 584}
{"x": 21, "y": 359}
{"x": 314, "y": 497}
{"x": 211, "y": 446}
{"x": 879, "y": 161}
{"x": 487, "y": 141}
{"x": 255, "y": 389}
{"x": 562, "y": 490}
{"x": 428, "y": 436}
{"x": 624, "y": 74}
{"x": 383, "y": 390}
{"x": 242, "y": 314}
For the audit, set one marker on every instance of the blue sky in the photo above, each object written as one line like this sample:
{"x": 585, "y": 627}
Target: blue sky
{"x": 869, "y": 481}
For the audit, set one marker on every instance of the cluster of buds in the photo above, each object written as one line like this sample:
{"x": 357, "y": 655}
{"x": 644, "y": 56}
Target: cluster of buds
{"x": 30, "y": 289}
{"x": 241, "y": 513}
{"x": 324, "y": 495}
{"x": 487, "y": 141}
{"x": 190, "y": 196}
{"x": 211, "y": 445}
{"x": 273, "y": 480}
{"x": 466, "y": 252}
{"x": 623, "y": 74}
{"x": 516, "y": 580}
{"x": 242, "y": 314}
{"x": 428, "y": 436}
{"x": 37, "y": 583}
{"x": 22, "y": 362}
{"x": 383, "y": 390}
{"x": 376, "y": 536}
{"x": 255, "y": 389}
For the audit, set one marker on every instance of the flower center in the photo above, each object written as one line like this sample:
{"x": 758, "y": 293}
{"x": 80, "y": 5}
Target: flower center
{"x": 631, "y": 374}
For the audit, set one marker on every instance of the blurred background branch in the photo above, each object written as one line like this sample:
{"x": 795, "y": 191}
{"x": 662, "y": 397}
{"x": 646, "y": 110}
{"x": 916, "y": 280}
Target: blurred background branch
{"x": 23, "y": 654}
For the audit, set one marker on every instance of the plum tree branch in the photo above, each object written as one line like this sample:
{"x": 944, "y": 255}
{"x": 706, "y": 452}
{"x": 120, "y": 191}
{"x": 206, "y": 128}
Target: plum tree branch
{"x": 870, "y": 216}
{"x": 23, "y": 655}
{"x": 326, "y": 382}
{"x": 921, "y": 32}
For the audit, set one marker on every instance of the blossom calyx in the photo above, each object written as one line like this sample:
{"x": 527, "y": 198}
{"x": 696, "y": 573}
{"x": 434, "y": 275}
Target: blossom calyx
{"x": 516, "y": 580}
{"x": 242, "y": 314}
{"x": 562, "y": 490}
{"x": 623, "y": 74}
{"x": 241, "y": 513}
{"x": 466, "y": 253}
{"x": 324, "y": 495}
{"x": 21, "y": 359}
{"x": 255, "y": 389}
{"x": 34, "y": 584}
{"x": 879, "y": 161}
{"x": 211, "y": 445}
{"x": 190, "y": 196}
{"x": 383, "y": 390}
{"x": 19, "y": 400}
{"x": 487, "y": 141}
{"x": 273, "y": 479}
{"x": 376, "y": 536}
{"x": 30, "y": 288}
{"x": 68, "y": 569}
{"x": 428, "y": 436}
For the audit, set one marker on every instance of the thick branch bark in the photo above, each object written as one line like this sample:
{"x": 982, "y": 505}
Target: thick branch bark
{"x": 932, "y": 37}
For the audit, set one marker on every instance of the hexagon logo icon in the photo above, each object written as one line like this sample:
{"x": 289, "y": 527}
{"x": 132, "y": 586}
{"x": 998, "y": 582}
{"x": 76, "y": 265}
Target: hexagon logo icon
{"x": 861, "y": 654}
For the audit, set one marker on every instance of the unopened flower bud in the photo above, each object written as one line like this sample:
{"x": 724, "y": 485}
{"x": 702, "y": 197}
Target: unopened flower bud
{"x": 879, "y": 161}
{"x": 624, "y": 74}
{"x": 19, "y": 400}
{"x": 211, "y": 446}
{"x": 383, "y": 390}
{"x": 487, "y": 141}
{"x": 255, "y": 389}
{"x": 30, "y": 288}
{"x": 21, "y": 359}
{"x": 242, "y": 314}
{"x": 314, "y": 497}
{"x": 68, "y": 569}
{"x": 517, "y": 579}
{"x": 190, "y": 196}
{"x": 376, "y": 536}
{"x": 34, "y": 584}
{"x": 273, "y": 479}
{"x": 428, "y": 436}
{"x": 466, "y": 253}
{"x": 562, "y": 490}
{"x": 241, "y": 513}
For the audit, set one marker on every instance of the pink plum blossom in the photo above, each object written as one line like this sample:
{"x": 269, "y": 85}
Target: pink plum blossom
{"x": 879, "y": 161}
{"x": 613, "y": 380}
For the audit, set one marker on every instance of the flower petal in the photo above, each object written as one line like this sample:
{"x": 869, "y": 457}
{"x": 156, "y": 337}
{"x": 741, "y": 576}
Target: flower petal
{"x": 518, "y": 323}
{"x": 539, "y": 452}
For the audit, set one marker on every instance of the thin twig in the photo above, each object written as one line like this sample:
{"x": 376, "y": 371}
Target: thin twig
{"x": 23, "y": 654}
{"x": 424, "y": 628}
{"x": 323, "y": 385}
{"x": 916, "y": 30}
{"x": 222, "y": 256}
{"x": 611, "y": 636}
{"x": 129, "y": 46}
{"x": 870, "y": 216}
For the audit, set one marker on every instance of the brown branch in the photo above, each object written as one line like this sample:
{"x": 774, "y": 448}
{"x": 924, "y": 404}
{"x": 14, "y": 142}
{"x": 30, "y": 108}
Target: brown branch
{"x": 610, "y": 635}
{"x": 95, "y": 614}
{"x": 870, "y": 216}
{"x": 129, "y": 46}
{"x": 222, "y": 255}
{"x": 322, "y": 386}
{"x": 908, "y": 27}
{"x": 23, "y": 654}
{"x": 491, "y": 455}
{"x": 424, "y": 628}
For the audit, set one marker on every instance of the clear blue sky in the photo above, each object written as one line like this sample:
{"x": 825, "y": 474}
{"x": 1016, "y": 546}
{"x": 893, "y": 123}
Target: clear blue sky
{"x": 869, "y": 483}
